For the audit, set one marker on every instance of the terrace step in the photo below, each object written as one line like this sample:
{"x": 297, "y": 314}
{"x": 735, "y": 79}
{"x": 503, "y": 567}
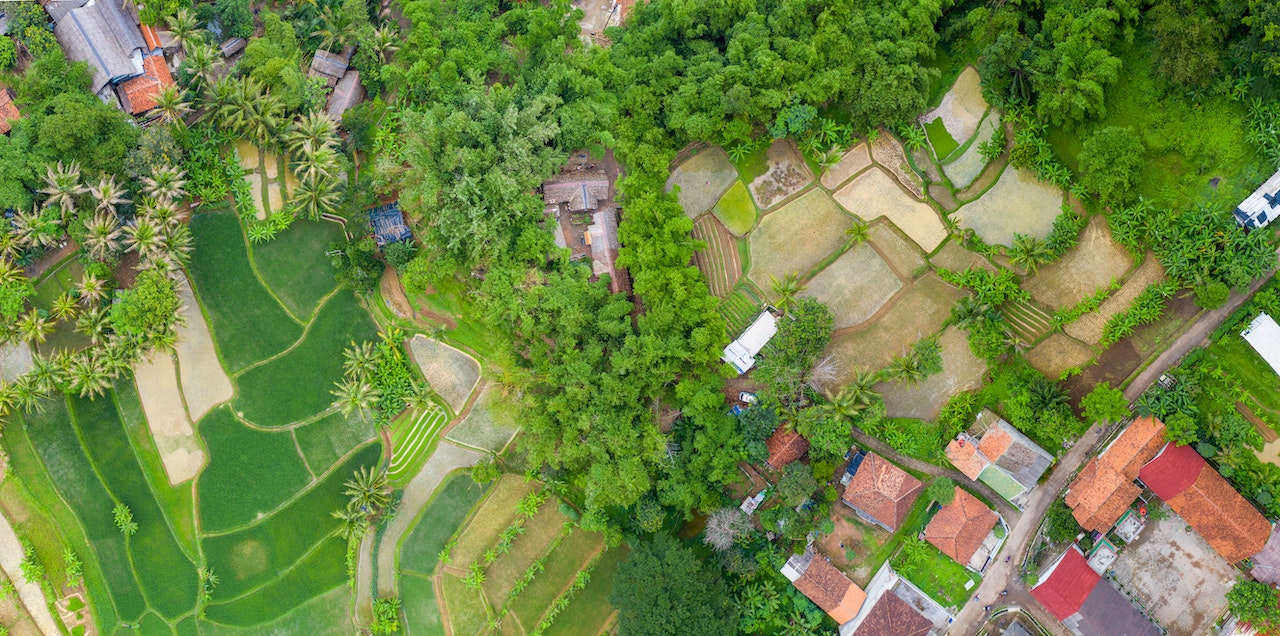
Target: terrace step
{"x": 1028, "y": 320}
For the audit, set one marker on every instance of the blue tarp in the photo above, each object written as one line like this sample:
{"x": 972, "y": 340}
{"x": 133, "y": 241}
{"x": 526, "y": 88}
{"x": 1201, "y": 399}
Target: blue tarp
{"x": 388, "y": 224}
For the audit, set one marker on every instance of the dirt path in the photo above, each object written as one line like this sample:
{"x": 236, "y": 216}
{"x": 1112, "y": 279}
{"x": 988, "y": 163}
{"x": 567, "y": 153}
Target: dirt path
{"x": 31, "y": 595}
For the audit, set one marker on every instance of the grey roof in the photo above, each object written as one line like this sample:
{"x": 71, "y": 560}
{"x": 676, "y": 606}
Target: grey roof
{"x": 101, "y": 34}
{"x": 232, "y": 46}
{"x": 1261, "y": 207}
{"x": 346, "y": 94}
{"x": 1107, "y": 612}
{"x": 1015, "y": 629}
{"x": 1266, "y": 564}
{"x": 58, "y": 8}
{"x": 1023, "y": 460}
{"x": 330, "y": 66}
{"x": 581, "y": 195}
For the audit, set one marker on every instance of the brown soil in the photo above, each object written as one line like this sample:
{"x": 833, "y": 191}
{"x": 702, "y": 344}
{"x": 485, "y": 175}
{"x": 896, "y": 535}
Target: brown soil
{"x": 1268, "y": 435}
{"x": 393, "y": 293}
{"x": 953, "y": 256}
{"x": 1115, "y": 365}
{"x": 787, "y": 175}
{"x": 942, "y": 194}
{"x": 887, "y": 152}
{"x": 961, "y": 371}
{"x": 901, "y": 255}
{"x": 989, "y": 174}
{"x": 1057, "y": 353}
{"x": 1091, "y": 265}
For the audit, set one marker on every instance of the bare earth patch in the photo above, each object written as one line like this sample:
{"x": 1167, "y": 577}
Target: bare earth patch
{"x": 157, "y": 381}
{"x": 255, "y": 192}
{"x": 1088, "y": 328}
{"x": 15, "y": 360}
{"x": 853, "y": 162}
{"x": 855, "y": 286}
{"x": 797, "y": 236}
{"x": 450, "y": 372}
{"x": 247, "y": 153}
{"x": 955, "y": 257}
{"x": 874, "y": 194}
{"x": 271, "y": 163}
{"x": 1187, "y": 599}
{"x": 887, "y": 152}
{"x": 962, "y": 107}
{"x": 902, "y": 255}
{"x": 1088, "y": 267}
{"x": 1057, "y": 353}
{"x": 917, "y": 312}
{"x": 275, "y": 199}
{"x": 1017, "y": 204}
{"x": 204, "y": 382}
{"x": 961, "y": 371}
{"x": 787, "y": 175}
{"x": 969, "y": 165}
{"x": 702, "y": 180}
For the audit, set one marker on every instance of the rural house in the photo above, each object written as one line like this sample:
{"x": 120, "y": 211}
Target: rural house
{"x": 138, "y": 95}
{"x": 1104, "y": 489}
{"x": 823, "y": 584}
{"x": 741, "y": 353}
{"x": 346, "y": 93}
{"x": 1266, "y": 564}
{"x": 8, "y": 111}
{"x": 329, "y": 66}
{"x": 882, "y": 493}
{"x": 580, "y": 200}
{"x": 103, "y": 34}
{"x": 1194, "y": 490}
{"x": 1261, "y": 207}
{"x": 965, "y": 530}
{"x": 1078, "y": 597}
{"x": 1263, "y": 334}
{"x": 1001, "y": 457}
{"x": 785, "y": 447}
{"x": 895, "y": 607}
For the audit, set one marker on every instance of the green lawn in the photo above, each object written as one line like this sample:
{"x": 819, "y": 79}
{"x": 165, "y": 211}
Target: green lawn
{"x": 297, "y": 385}
{"x": 247, "y": 323}
{"x": 940, "y": 577}
{"x": 736, "y": 210}
{"x": 294, "y": 265}
{"x": 421, "y": 612}
{"x": 453, "y": 500}
{"x": 590, "y": 608}
{"x": 940, "y": 138}
{"x": 249, "y": 472}
{"x": 327, "y": 439}
{"x": 451, "y": 297}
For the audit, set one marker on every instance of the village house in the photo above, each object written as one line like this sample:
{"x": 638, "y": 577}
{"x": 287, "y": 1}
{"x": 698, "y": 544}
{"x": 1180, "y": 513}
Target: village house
{"x": 1263, "y": 334}
{"x": 1089, "y": 606}
{"x": 1262, "y": 207}
{"x": 1104, "y": 489}
{"x": 126, "y": 58}
{"x": 580, "y": 200}
{"x": 881, "y": 493}
{"x": 1001, "y": 457}
{"x": 823, "y": 584}
{"x": 895, "y": 607}
{"x": 742, "y": 352}
{"x": 965, "y": 530}
{"x": 785, "y": 446}
{"x": 8, "y": 111}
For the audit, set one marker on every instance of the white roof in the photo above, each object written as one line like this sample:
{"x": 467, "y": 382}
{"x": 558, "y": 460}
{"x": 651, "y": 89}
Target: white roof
{"x": 1263, "y": 206}
{"x": 741, "y": 353}
{"x": 1263, "y": 335}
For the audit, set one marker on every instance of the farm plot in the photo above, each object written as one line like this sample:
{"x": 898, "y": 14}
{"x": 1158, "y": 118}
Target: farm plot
{"x": 739, "y": 309}
{"x": 327, "y": 439}
{"x": 449, "y": 507}
{"x": 489, "y": 426}
{"x": 1091, "y": 265}
{"x": 965, "y": 168}
{"x": 157, "y": 382}
{"x": 786, "y": 174}
{"x": 413, "y": 435}
{"x": 467, "y": 611}
{"x": 589, "y": 610}
{"x": 204, "y": 382}
{"x": 901, "y": 255}
{"x": 1017, "y": 204}
{"x": 497, "y": 511}
{"x": 719, "y": 262}
{"x": 736, "y": 210}
{"x": 940, "y": 140}
{"x": 796, "y": 237}
{"x": 886, "y": 151}
{"x": 918, "y": 312}
{"x": 874, "y": 194}
{"x": 324, "y": 615}
{"x": 574, "y": 553}
{"x": 16, "y": 360}
{"x": 1088, "y": 328}
{"x": 855, "y": 286}
{"x": 856, "y": 160}
{"x": 1058, "y": 353}
{"x": 451, "y": 373}
{"x": 955, "y": 257}
{"x": 961, "y": 108}
{"x": 961, "y": 371}
{"x": 232, "y": 490}
{"x": 702, "y": 180}
{"x": 293, "y": 268}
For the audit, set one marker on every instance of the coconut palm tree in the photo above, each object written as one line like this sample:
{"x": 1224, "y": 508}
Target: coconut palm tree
{"x": 360, "y": 359}
{"x": 176, "y": 243}
{"x": 855, "y": 397}
{"x": 786, "y": 289}
{"x": 1029, "y": 252}
{"x": 313, "y": 162}
{"x": 9, "y": 271}
{"x": 254, "y": 113}
{"x": 64, "y": 307}
{"x": 143, "y": 237}
{"x": 184, "y": 27}
{"x": 171, "y": 107}
{"x": 335, "y": 28}
{"x": 93, "y": 323}
{"x": 46, "y": 374}
{"x": 108, "y": 193}
{"x": 355, "y": 523}
{"x": 88, "y": 375}
{"x": 315, "y": 127}
{"x": 354, "y": 395}
{"x": 26, "y": 397}
{"x": 315, "y": 198}
{"x": 166, "y": 184}
{"x": 386, "y": 41}
{"x": 37, "y": 230}
{"x": 368, "y": 490}
{"x": 11, "y": 245}
{"x": 92, "y": 290}
{"x": 858, "y": 233}
{"x": 34, "y": 327}
{"x": 201, "y": 60}
{"x": 102, "y": 235}
{"x": 8, "y": 397}
{"x": 906, "y": 369}
{"x": 63, "y": 186}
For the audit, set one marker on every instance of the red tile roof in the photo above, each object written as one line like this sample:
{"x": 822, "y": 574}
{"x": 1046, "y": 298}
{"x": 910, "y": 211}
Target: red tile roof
{"x": 892, "y": 616}
{"x": 1104, "y": 488}
{"x": 959, "y": 528}
{"x": 138, "y": 95}
{"x": 1067, "y": 586}
{"x": 1205, "y": 500}
{"x": 882, "y": 491}
{"x": 8, "y": 111}
{"x": 995, "y": 443}
{"x": 964, "y": 456}
{"x": 785, "y": 447}
{"x": 150, "y": 36}
{"x": 831, "y": 590}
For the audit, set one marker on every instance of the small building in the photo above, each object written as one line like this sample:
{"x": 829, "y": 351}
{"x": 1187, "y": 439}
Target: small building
{"x": 100, "y": 33}
{"x": 1266, "y": 564}
{"x": 741, "y": 353}
{"x": 138, "y": 95}
{"x": 581, "y": 201}
{"x": 1103, "y": 555}
{"x": 895, "y": 607}
{"x": 388, "y": 224}
{"x": 1263, "y": 335}
{"x": 329, "y": 66}
{"x": 1002, "y": 457}
{"x": 823, "y": 584}
{"x": 8, "y": 111}
{"x": 232, "y": 47}
{"x": 785, "y": 446}
{"x": 1262, "y": 207}
{"x": 1130, "y": 525}
{"x": 1088, "y": 606}
{"x": 882, "y": 493}
{"x": 1210, "y": 505}
{"x": 965, "y": 530}
{"x": 347, "y": 93}
{"x": 577, "y": 195}
{"x": 1104, "y": 488}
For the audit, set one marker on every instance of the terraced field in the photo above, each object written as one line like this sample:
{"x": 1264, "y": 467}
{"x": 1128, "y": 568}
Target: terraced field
{"x": 413, "y": 435}
{"x": 720, "y": 261}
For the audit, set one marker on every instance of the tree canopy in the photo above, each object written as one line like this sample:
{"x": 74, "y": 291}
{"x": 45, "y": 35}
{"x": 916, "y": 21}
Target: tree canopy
{"x": 663, "y": 589}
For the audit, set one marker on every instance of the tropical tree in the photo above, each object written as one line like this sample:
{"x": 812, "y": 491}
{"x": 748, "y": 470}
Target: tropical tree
{"x": 315, "y": 198}
{"x": 166, "y": 184}
{"x": 858, "y": 233}
{"x": 201, "y": 60}
{"x": 855, "y": 397}
{"x": 353, "y": 394}
{"x": 37, "y": 230}
{"x": 143, "y": 237}
{"x": 89, "y": 375}
{"x": 184, "y": 27}
{"x": 91, "y": 289}
{"x": 314, "y": 161}
{"x": 786, "y": 289}
{"x": 1029, "y": 252}
{"x": 63, "y": 186}
{"x": 360, "y": 359}
{"x": 368, "y": 490}
{"x": 34, "y": 327}
{"x": 355, "y": 523}
{"x": 171, "y": 107}
{"x": 386, "y": 41}
{"x": 102, "y": 236}
{"x": 108, "y": 194}
{"x": 93, "y": 323}
{"x": 64, "y": 307}
{"x": 335, "y": 28}
{"x": 315, "y": 127}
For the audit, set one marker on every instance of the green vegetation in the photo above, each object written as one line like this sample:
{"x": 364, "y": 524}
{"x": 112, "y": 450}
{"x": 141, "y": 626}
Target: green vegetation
{"x": 232, "y": 492}
{"x": 327, "y": 439}
{"x": 940, "y": 138}
{"x": 413, "y": 437}
{"x": 292, "y": 268}
{"x": 449, "y": 507}
{"x": 929, "y": 569}
{"x": 736, "y": 210}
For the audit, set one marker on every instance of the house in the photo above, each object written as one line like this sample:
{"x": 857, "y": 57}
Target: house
{"x": 1261, "y": 207}
{"x": 1002, "y": 457}
{"x": 8, "y": 111}
{"x": 347, "y": 93}
{"x": 138, "y": 95}
{"x": 388, "y": 224}
{"x": 1263, "y": 335}
{"x": 741, "y": 353}
{"x": 1266, "y": 564}
{"x": 233, "y": 46}
{"x": 785, "y": 447}
{"x": 1085, "y": 603}
{"x": 576, "y": 195}
{"x": 823, "y": 584}
{"x": 329, "y": 66}
{"x": 1210, "y": 505}
{"x": 580, "y": 199}
{"x": 100, "y": 33}
{"x": 964, "y": 530}
{"x": 895, "y": 607}
{"x": 882, "y": 493}
{"x": 1104, "y": 488}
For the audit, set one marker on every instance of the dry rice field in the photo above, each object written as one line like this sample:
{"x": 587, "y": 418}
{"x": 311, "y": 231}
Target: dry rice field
{"x": 962, "y": 107}
{"x": 796, "y": 237}
{"x": 855, "y": 286}
{"x": 902, "y": 255}
{"x": 1057, "y": 353}
{"x": 787, "y": 174}
{"x": 955, "y": 257}
{"x": 1088, "y": 328}
{"x": 874, "y": 194}
{"x": 204, "y": 382}
{"x": 702, "y": 180}
{"x": 720, "y": 262}
{"x": 888, "y": 152}
{"x": 1088, "y": 267}
{"x": 853, "y": 162}
{"x": 961, "y": 371}
{"x": 965, "y": 168}
{"x": 1017, "y": 204}
{"x": 451, "y": 373}
{"x": 157, "y": 380}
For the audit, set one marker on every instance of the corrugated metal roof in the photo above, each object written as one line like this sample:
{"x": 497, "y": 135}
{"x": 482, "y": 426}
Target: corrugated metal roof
{"x": 1263, "y": 335}
{"x": 741, "y": 353}
{"x": 99, "y": 33}
{"x": 1261, "y": 207}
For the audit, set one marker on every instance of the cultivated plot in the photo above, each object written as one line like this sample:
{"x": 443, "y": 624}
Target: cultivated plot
{"x": 413, "y": 436}
{"x": 796, "y": 237}
{"x": 1091, "y": 265}
{"x": 1058, "y": 353}
{"x": 855, "y": 286}
{"x": 964, "y": 169}
{"x": 961, "y": 371}
{"x": 1088, "y": 328}
{"x": 888, "y": 152}
{"x": 489, "y": 426}
{"x": 918, "y": 312}
{"x": 856, "y": 160}
{"x": 232, "y": 491}
{"x": 16, "y": 360}
{"x": 962, "y": 107}
{"x": 955, "y": 257}
{"x": 787, "y": 174}
{"x": 451, "y": 373}
{"x": 204, "y": 383}
{"x": 291, "y": 270}
{"x": 736, "y": 210}
{"x": 874, "y": 194}
{"x": 901, "y": 254}
{"x": 175, "y": 439}
{"x": 719, "y": 262}
{"x": 702, "y": 180}
{"x": 1018, "y": 203}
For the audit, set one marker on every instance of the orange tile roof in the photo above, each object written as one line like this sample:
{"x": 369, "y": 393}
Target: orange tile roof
{"x": 831, "y": 590}
{"x": 1135, "y": 446}
{"x": 785, "y": 447}
{"x": 1104, "y": 489}
{"x": 150, "y": 36}
{"x": 892, "y": 616}
{"x": 139, "y": 94}
{"x": 964, "y": 456}
{"x": 882, "y": 491}
{"x": 959, "y": 528}
{"x": 995, "y": 443}
{"x": 8, "y": 111}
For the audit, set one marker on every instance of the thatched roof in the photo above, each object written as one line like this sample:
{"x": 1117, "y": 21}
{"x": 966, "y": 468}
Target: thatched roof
{"x": 346, "y": 94}
{"x": 101, "y": 34}
{"x": 330, "y": 66}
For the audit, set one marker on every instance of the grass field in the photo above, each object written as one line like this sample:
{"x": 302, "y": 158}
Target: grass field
{"x": 453, "y": 500}
{"x": 736, "y": 210}
{"x": 497, "y": 511}
{"x": 939, "y": 577}
{"x": 232, "y": 492}
{"x": 941, "y": 140}
{"x": 539, "y": 533}
{"x": 490, "y": 425}
{"x": 702, "y": 179}
{"x": 324, "y": 615}
{"x": 291, "y": 269}
{"x": 413, "y": 435}
{"x": 327, "y": 439}
{"x": 467, "y": 612}
{"x": 421, "y": 611}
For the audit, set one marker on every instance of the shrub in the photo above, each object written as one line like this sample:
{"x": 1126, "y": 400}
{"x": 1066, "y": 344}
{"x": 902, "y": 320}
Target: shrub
{"x": 8, "y": 53}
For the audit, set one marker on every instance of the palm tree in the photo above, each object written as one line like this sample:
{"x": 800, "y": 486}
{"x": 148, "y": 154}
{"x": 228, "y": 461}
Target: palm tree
{"x": 102, "y": 235}
{"x": 37, "y": 230}
{"x": 354, "y": 395}
{"x": 201, "y": 59}
{"x": 64, "y": 307}
{"x": 906, "y": 369}
{"x": 8, "y": 397}
{"x": 254, "y": 112}
{"x": 63, "y": 186}
{"x": 315, "y": 198}
{"x": 46, "y": 374}
{"x": 368, "y": 490}
{"x": 970, "y": 310}
{"x": 334, "y": 28}
{"x": 171, "y": 108}
{"x": 786, "y": 289}
{"x": 858, "y": 233}
{"x": 360, "y": 359}
{"x": 143, "y": 237}
{"x": 175, "y": 247}
{"x": 108, "y": 193}
{"x": 91, "y": 289}
{"x": 166, "y": 184}
{"x": 11, "y": 245}
{"x": 316, "y": 128}
{"x": 34, "y": 327}
{"x": 165, "y": 214}
{"x": 315, "y": 161}
{"x": 184, "y": 27}
{"x": 88, "y": 375}
{"x": 355, "y": 523}
{"x": 93, "y": 323}
{"x": 386, "y": 41}
{"x": 1029, "y": 252}
{"x": 856, "y": 396}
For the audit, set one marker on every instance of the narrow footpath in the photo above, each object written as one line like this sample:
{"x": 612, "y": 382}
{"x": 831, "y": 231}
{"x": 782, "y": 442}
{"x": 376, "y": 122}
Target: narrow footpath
{"x": 29, "y": 594}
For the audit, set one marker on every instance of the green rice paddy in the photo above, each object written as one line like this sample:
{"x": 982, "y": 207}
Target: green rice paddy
{"x": 290, "y": 270}
{"x": 413, "y": 435}
{"x": 453, "y": 501}
{"x": 739, "y": 309}
{"x": 736, "y": 210}
{"x": 940, "y": 138}
{"x": 231, "y": 486}
{"x": 327, "y": 439}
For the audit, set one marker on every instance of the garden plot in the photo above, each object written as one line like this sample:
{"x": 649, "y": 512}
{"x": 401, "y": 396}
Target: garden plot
{"x": 16, "y": 360}
{"x": 1017, "y": 204}
{"x": 786, "y": 175}
{"x": 917, "y": 312}
{"x": 887, "y": 152}
{"x": 1088, "y": 267}
{"x": 451, "y": 373}
{"x": 965, "y": 168}
{"x": 1059, "y": 353}
{"x": 497, "y": 511}
{"x": 874, "y": 194}
{"x": 413, "y": 435}
{"x": 961, "y": 371}
{"x": 901, "y": 254}
{"x": 796, "y": 237}
{"x": 720, "y": 261}
{"x": 962, "y": 107}
{"x": 736, "y": 210}
{"x": 955, "y": 257}
{"x": 855, "y": 286}
{"x": 489, "y": 426}
{"x": 853, "y": 162}
{"x": 1088, "y": 328}
{"x": 702, "y": 180}
{"x": 175, "y": 439}
{"x": 204, "y": 382}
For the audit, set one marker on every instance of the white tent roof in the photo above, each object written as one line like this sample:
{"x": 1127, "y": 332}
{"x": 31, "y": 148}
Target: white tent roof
{"x": 741, "y": 353}
{"x": 1263, "y": 335}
